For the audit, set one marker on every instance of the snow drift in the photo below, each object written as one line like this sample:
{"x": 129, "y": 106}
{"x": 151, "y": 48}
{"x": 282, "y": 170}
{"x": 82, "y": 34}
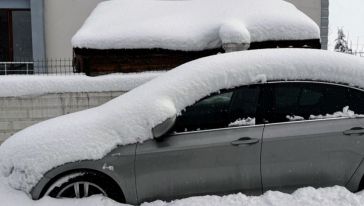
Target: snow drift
{"x": 192, "y": 25}
{"x": 334, "y": 196}
{"x": 28, "y": 155}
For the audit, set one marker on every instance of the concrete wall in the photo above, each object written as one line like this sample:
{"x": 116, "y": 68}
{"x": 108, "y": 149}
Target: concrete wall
{"x": 62, "y": 19}
{"x": 17, "y": 113}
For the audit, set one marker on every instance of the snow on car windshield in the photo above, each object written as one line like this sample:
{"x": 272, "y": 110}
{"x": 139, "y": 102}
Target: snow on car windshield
{"x": 88, "y": 135}
{"x": 192, "y": 25}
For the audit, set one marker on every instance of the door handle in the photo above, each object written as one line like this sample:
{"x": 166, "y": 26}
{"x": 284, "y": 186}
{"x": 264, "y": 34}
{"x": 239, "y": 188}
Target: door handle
{"x": 355, "y": 130}
{"x": 245, "y": 140}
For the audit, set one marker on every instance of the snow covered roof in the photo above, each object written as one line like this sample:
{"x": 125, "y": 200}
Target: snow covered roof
{"x": 128, "y": 119}
{"x": 192, "y": 25}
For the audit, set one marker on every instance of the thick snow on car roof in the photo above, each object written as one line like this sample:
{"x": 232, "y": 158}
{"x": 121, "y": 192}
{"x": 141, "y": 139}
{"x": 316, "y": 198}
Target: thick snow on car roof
{"x": 29, "y": 154}
{"x": 192, "y": 25}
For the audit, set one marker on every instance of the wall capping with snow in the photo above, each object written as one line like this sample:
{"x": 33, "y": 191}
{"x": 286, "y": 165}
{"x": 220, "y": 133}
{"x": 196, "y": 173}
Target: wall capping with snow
{"x": 17, "y": 113}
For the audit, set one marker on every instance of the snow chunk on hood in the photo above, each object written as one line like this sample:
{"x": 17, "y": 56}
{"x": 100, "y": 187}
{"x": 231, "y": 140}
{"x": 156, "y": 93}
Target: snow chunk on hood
{"x": 192, "y": 25}
{"x": 29, "y": 154}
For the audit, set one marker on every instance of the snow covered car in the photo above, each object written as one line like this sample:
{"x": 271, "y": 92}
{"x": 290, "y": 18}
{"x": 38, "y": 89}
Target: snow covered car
{"x": 251, "y": 121}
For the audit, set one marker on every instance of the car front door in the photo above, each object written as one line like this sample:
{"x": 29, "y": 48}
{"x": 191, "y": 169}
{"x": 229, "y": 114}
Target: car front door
{"x": 215, "y": 150}
{"x": 302, "y": 144}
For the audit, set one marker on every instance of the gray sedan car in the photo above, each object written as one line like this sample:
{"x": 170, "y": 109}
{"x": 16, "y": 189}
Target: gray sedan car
{"x": 273, "y": 135}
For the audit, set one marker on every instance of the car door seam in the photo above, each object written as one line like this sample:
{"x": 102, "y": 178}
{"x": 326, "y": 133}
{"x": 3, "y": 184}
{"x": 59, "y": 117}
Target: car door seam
{"x": 135, "y": 173}
{"x": 260, "y": 160}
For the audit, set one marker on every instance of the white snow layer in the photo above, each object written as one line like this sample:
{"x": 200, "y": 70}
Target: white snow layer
{"x": 21, "y": 85}
{"x": 90, "y": 134}
{"x": 345, "y": 113}
{"x": 294, "y": 118}
{"x": 334, "y": 196}
{"x": 243, "y": 122}
{"x": 192, "y": 25}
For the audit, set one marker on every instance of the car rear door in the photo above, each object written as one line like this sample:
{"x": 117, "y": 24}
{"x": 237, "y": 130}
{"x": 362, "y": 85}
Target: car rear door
{"x": 213, "y": 158}
{"x": 300, "y": 147}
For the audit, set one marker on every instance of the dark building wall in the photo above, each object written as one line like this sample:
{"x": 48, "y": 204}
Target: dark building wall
{"x": 324, "y": 23}
{"x": 97, "y": 62}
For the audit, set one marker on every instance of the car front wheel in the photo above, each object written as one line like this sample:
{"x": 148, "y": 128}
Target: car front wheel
{"x": 81, "y": 185}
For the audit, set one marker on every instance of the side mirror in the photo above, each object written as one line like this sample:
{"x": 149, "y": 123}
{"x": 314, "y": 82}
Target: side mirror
{"x": 162, "y": 128}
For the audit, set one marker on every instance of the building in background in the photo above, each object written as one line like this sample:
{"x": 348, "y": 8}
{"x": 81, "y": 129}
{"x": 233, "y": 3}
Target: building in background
{"x": 318, "y": 10}
{"x": 21, "y": 30}
{"x": 42, "y": 29}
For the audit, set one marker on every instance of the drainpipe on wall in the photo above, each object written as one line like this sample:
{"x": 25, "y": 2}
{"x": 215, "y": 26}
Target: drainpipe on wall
{"x": 38, "y": 35}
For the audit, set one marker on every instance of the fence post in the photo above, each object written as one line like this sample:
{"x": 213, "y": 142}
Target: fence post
{"x": 27, "y": 67}
{"x": 5, "y": 69}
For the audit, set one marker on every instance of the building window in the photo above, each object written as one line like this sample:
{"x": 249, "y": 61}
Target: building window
{"x": 15, "y": 35}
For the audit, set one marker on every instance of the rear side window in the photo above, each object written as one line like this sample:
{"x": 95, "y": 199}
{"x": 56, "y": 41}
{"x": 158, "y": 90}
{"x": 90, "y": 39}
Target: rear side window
{"x": 228, "y": 109}
{"x": 356, "y": 101}
{"x": 298, "y": 101}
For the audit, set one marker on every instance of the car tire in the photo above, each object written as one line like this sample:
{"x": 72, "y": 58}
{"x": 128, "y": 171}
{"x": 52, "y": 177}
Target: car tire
{"x": 85, "y": 184}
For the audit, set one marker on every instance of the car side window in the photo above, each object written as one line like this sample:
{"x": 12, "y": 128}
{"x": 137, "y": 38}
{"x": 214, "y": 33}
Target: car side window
{"x": 211, "y": 112}
{"x": 356, "y": 101}
{"x": 301, "y": 101}
{"x": 227, "y": 109}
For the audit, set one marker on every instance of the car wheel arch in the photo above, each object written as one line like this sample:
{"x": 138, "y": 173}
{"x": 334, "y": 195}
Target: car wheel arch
{"x": 79, "y": 172}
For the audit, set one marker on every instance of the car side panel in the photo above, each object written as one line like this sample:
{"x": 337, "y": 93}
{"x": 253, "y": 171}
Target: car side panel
{"x": 310, "y": 153}
{"x": 198, "y": 164}
{"x": 355, "y": 180}
{"x": 118, "y": 164}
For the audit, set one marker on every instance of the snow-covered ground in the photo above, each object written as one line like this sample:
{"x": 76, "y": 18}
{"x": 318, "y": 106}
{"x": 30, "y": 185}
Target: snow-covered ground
{"x": 21, "y": 85}
{"x": 334, "y": 196}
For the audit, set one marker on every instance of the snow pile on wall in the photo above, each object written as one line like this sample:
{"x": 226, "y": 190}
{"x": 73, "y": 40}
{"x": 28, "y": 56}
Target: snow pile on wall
{"x": 334, "y": 196}
{"x": 21, "y": 85}
{"x": 192, "y": 25}
{"x": 128, "y": 119}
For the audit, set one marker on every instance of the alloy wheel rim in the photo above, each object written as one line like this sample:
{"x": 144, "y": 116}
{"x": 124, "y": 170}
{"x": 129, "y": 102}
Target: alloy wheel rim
{"x": 80, "y": 190}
